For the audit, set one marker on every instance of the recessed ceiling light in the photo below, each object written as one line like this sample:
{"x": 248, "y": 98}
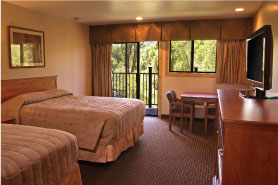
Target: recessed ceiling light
{"x": 77, "y": 19}
{"x": 239, "y": 9}
{"x": 139, "y": 18}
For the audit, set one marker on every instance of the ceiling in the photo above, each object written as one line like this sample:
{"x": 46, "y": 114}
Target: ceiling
{"x": 115, "y": 12}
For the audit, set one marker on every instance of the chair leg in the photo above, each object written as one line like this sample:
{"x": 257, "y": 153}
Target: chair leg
{"x": 206, "y": 122}
{"x": 215, "y": 126}
{"x": 170, "y": 123}
{"x": 191, "y": 118}
{"x": 181, "y": 129}
{"x": 185, "y": 119}
{"x": 206, "y": 127}
{"x": 174, "y": 120}
{"x": 191, "y": 123}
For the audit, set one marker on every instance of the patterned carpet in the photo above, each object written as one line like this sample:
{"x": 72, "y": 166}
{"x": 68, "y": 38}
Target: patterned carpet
{"x": 159, "y": 157}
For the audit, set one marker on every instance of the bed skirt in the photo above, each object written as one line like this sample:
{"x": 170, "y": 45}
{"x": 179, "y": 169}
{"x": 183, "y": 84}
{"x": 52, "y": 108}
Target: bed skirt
{"x": 107, "y": 153}
{"x": 73, "y": 178}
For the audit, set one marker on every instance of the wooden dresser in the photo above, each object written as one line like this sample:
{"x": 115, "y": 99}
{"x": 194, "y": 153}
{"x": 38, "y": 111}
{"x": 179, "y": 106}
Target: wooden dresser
{"x": 247, "y": 140}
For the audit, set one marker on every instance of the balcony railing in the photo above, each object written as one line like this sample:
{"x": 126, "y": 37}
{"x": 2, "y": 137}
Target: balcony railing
{"x": 124, "y": 85}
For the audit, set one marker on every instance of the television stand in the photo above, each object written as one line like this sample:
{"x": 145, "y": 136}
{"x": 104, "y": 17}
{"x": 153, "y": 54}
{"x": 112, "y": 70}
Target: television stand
{"x": 247, "y": 137}
{"x": 257, "y": 93}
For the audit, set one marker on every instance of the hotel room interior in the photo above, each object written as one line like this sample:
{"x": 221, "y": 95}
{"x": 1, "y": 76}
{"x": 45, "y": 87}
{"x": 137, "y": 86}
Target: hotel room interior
{"x": 139, "y": 92}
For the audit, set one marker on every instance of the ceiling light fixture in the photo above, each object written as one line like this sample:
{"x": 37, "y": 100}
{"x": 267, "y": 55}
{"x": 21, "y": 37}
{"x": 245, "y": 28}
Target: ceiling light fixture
{"x": 239, "y": 9}
{"x": 77, "y": 19}
{"x": 139, "y": 18}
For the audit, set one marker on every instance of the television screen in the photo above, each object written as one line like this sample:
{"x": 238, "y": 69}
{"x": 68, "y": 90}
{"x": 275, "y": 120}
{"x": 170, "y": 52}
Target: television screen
{"x": 255, "y": 58}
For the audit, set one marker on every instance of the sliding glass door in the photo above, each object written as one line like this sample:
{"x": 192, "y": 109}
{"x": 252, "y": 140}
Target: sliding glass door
{"x": 135, "y": 71}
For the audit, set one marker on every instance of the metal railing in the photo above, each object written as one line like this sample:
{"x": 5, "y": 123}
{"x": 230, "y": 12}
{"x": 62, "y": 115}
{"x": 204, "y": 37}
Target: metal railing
{"x": 125, "y": 85}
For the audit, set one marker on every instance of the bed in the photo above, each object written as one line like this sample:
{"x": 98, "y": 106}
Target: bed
{"x": 104, "y": 126}
{"x": 38, "y": 156}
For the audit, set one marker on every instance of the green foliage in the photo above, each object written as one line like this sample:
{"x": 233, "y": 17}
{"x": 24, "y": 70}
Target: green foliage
{"x": 124, "y": 56}
{"x": 180, "y": 56}
{"x": 118, "y": 58}
{"x": 148, "y": 56}
{"x": 204, "y": 55}
{"x": 28, "y": 54}
{"x": 26, "y": 58}
{"x": 15, "y": 51}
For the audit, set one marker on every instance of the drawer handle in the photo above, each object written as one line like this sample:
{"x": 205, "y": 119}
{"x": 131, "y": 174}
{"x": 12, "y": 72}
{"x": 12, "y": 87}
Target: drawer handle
{"x": 220, "y": 152}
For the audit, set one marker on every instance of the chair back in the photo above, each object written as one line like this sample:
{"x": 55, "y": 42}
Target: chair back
{"x": 171, "y": 96}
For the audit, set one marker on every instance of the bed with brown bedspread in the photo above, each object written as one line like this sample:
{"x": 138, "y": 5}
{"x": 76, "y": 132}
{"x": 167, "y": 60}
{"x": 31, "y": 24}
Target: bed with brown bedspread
{"x": 104, "y": 126}
{"x": 38, "y": 156}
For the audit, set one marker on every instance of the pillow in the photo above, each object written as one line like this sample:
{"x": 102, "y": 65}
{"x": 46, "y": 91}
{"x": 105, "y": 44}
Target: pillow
{"x": 12, "y": 107}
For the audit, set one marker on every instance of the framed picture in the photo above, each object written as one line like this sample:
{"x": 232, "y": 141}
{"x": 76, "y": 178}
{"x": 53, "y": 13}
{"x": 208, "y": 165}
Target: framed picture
{"x": 26, "y": 47}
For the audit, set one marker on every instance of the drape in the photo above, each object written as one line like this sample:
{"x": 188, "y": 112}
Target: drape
{"x": 231, "y": 61}
{"x": 101, "y": 69}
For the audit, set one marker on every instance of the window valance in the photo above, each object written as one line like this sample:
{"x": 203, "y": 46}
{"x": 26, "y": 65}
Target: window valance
{"x": 213, "y": 29}
{"x": 148, "y": 32}
{"x": 179, "y": 30}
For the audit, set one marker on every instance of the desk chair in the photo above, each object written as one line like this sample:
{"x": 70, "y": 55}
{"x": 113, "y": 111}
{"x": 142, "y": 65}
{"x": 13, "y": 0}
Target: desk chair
{"x": 210, "y": 113}
{"x": 178, "y": 108}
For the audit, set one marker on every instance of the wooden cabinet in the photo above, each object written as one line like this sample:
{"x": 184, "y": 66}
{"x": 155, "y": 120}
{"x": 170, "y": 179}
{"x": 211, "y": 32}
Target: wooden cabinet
{"x": 247, "y": 140}
{"x": 10, "y": 120}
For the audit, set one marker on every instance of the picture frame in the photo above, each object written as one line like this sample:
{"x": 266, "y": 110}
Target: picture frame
{"x": 26, "y": 48}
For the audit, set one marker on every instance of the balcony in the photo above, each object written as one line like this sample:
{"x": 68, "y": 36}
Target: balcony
{"x": 143, "y": 86}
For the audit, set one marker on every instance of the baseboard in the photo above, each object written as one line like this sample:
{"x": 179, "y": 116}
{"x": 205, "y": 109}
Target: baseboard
{"x": 164, "y": 116}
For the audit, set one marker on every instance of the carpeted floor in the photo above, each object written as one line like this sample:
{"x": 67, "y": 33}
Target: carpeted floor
{"x": 159, "y": 157}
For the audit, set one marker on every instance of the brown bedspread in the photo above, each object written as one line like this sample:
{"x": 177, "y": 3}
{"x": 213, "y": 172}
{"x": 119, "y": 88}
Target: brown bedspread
{"x": 37, "y": 156}
{"x": 94, "y": 120}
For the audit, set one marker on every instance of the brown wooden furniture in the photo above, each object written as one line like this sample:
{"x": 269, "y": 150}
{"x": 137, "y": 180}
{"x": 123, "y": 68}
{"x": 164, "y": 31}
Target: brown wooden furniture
{"x": 10, "y": 120}
{"x": 247, "y": 140}
{"x": 187, "y": 112}
{"x": 178, "y": 108}
{"x": 210, "y": 113}
{"x": 199, "y": 97}
{"x": 15, "y": 87}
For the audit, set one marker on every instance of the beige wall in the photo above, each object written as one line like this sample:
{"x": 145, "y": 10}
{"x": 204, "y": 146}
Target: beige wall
{"x": 67, "y": 48}
{"x": 268, "y": 15}
{"x": 186, "y": 84}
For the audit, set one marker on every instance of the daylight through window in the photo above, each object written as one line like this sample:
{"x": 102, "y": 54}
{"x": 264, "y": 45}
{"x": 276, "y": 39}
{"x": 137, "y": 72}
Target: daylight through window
{"x": 197, "y": 56}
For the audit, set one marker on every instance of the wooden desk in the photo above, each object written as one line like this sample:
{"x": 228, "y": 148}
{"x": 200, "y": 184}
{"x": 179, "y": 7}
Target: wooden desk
{"x": 200, "y": 97}
{"x": 247, "y": 140}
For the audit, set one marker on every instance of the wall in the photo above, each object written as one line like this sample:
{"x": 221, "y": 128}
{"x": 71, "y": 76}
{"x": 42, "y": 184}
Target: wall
{"x": 186, "y": 84}
{"x": 268, "y": 15}
{"x": 67, "y": 48}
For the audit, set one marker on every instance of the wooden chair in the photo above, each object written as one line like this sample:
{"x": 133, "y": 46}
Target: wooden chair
{"x": 178, "y": 108}
{"x": 210, "y": 113}
{"x": 187, "y": 112}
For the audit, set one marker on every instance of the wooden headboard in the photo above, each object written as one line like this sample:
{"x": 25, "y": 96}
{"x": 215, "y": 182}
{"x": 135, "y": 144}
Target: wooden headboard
{"x": 15, "y": 87}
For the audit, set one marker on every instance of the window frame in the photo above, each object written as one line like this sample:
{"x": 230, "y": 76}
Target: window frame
{"x": 191, "y": 62}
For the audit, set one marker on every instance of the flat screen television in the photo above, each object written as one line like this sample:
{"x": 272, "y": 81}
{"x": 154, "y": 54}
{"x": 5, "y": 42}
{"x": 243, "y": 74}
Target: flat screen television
{"x": 259, "y": 60}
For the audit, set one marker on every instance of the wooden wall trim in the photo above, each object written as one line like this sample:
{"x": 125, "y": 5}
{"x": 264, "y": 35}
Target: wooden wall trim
{"x": 14, "y": 87}
{"x": 162, "y": 45}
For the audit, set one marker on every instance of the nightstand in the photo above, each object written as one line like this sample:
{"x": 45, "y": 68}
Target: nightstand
{"x": 9, "y": 120}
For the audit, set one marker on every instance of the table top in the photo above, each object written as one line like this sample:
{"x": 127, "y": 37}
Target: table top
{"x": 199, "y": 95}
{"x": 236, "y": 109}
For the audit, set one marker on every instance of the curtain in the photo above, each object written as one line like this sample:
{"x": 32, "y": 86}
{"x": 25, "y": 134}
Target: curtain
{"x": 102, "y": 69}
{"x": 231, "y": 61}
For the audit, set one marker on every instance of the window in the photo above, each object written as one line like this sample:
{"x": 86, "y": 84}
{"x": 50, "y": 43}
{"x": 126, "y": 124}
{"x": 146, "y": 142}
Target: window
{"x": 197, "y": 56}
